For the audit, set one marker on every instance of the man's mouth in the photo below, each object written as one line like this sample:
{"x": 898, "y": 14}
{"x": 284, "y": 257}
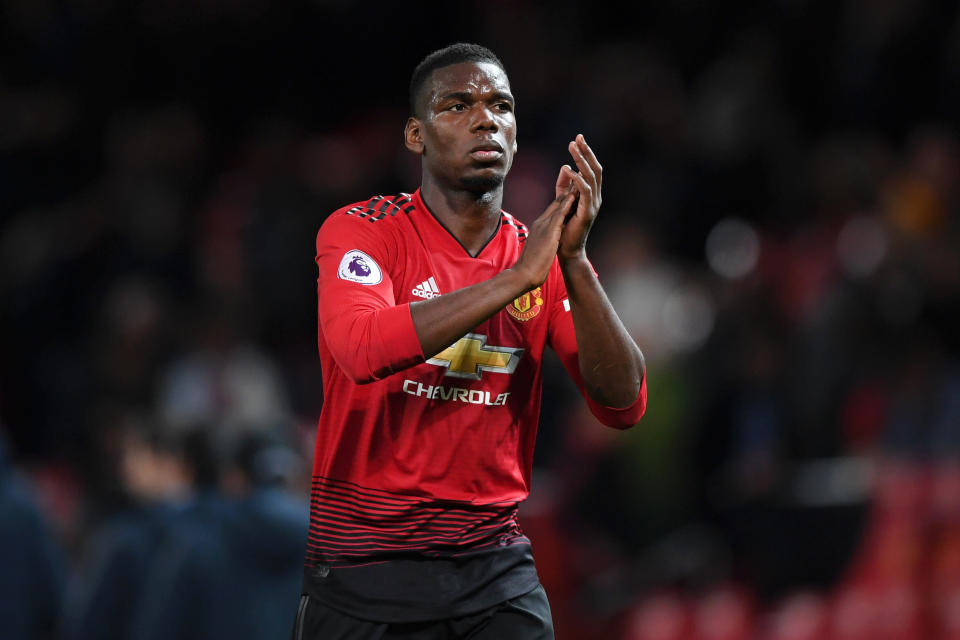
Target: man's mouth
{"x": 487, "y": 152}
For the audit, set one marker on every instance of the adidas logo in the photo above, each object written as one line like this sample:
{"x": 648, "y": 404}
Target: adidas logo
{"x": 426, "y": 289}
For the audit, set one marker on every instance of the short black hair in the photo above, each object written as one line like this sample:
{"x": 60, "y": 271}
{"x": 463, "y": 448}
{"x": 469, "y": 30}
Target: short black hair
{"x": 451, "y": 54}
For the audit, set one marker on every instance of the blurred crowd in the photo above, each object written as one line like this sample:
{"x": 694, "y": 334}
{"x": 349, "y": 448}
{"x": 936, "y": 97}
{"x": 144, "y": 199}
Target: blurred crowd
{"x": 779, "y": 233}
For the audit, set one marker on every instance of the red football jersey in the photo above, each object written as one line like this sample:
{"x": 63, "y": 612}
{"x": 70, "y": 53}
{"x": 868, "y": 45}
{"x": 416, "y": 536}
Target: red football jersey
{"x": 426, "y": 455}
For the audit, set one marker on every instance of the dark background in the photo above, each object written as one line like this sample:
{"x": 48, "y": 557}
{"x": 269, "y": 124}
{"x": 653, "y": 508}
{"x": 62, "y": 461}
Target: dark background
{"x": 779, "y": 233}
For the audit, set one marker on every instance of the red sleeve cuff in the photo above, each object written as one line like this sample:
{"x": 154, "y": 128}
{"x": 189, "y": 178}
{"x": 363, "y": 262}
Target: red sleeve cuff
{"x": 621, "y": 418}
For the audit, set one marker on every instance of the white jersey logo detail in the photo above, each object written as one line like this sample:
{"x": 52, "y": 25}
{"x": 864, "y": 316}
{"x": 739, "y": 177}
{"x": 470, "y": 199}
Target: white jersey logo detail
{"x": 454, "y": 394}
{"x": 356, "y": 266}
{"x": 426, "y": 289}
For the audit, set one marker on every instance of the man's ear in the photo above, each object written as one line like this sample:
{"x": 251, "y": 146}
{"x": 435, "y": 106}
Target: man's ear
{"x": 514, "y": 147}
{"x": 413, "y": 136}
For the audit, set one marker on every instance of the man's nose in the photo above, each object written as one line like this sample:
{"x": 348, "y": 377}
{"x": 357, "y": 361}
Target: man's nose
{"x": 484, "y": 119}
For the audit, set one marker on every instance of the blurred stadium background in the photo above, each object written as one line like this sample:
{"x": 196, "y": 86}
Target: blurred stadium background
{"x": 779, "y": 232}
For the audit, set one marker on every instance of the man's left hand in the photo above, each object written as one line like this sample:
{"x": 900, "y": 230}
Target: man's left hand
{"x": 586, "y": 183}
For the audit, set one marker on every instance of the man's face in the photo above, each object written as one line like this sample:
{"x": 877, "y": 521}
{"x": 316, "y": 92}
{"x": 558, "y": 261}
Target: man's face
{"x": 468, "y": 128}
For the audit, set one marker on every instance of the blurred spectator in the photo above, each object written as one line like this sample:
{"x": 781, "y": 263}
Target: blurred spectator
{"x": 267, "y": 533}
{"x": 31, "y": 562}
{"x": 224, "y": 562}
{"x": 220, "y": 379}
{"x": 119, "y": 557}
{"x": 191, "y": 590}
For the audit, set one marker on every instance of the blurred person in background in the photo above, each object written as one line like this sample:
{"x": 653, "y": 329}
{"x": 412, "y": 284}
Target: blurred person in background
{"x": 267, "y": 530}
{"x": 115, "y": 565}
{"x": 32, "y": 565}
{"x": 175, "y": 535}
{"x": 230, "y": 561}
{"x": 420, "y": 461}
{"x": 191, "y": 588}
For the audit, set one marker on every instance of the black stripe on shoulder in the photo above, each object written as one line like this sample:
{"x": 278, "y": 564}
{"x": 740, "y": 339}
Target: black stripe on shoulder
{"x": 513, "y": 223}
{"x": 405, "y": 202}
{"x": 360, "y": 212}
{"x": 387, "y": 207}
{"x": 379, "y": 207}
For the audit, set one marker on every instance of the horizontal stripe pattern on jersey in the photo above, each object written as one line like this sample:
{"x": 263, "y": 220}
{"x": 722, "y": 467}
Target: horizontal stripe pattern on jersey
{"x": 352, "y": 525}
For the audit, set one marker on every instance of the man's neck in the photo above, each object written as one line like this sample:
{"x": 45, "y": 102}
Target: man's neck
{"x": 471, "y": 217}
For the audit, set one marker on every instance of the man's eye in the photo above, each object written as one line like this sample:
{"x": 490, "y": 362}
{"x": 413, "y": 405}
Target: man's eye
{"x": 504, "y": 106}
{"x": 459, "y": 106}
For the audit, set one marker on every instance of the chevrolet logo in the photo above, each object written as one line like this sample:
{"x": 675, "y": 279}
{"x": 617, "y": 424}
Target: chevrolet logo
{"x": 470, "y": 356}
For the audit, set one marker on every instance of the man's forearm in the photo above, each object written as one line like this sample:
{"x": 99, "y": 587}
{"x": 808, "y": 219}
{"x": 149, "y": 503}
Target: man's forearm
{"x": 443, "y": 320}
{"x": 611, "y": 364}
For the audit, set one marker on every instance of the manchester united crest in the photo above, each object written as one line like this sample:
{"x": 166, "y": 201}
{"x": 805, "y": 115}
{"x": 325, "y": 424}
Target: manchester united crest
{"x": 526, "y": 306}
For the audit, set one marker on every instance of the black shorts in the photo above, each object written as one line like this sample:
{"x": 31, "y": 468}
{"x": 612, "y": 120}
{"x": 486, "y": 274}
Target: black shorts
{"x": 526, "y": 617}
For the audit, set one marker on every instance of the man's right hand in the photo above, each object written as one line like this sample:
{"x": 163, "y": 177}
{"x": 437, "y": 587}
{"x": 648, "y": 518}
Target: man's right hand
{"x": 543, "y": 239}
